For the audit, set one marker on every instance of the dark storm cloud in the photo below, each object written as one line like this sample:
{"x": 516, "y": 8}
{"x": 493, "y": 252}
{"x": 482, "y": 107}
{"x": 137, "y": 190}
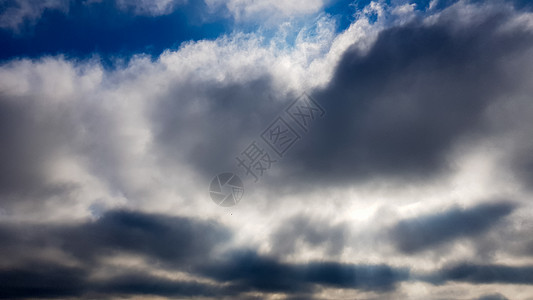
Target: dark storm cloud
{"x": 484, "y": 274}
{"x": 44, "y": 280}
{"x": 314, "y": 232}
{"x": 177, "y": 243}
{"x": 142, "y": 284}
{"x": 41, "y": 280}
{"x": 254, "y": 272}
{"x": 247, "y": 269}
{"x": 493, "y": 297}
{"x": 429, "y": 231}
{"x": 174, "y": 241}
{"x": 247, "y": 273}
{"x": 399, "y": 109}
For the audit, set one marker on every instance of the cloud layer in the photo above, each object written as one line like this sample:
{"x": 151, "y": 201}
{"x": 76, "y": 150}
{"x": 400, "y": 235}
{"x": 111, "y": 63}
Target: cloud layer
{"x": 395, "y": 193}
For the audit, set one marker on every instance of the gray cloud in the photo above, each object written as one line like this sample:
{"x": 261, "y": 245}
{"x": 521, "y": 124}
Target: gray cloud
{"x": 172, "y": 240}
{"x": 474, "y": 273}
{"x": 248, "y": 269}
{"x": 174, "y": 243}
{"x": 41, "y": 280}
{"x": 493, "y": 297}
{"x": 45, "y": 280}
{"x": 142, "y": 284}
{"x": 231, "y": 115}
{"x": 29, "y": 271}
{"x": 429, "y": 231}
{"x": 399, "y": 110}
{"x": 247, "y": 272}
{"x": 314, "y": 232}
{"x": 522, "y": 164}
{"x": 395, "y": 112}
{"x": 31, "y": 136}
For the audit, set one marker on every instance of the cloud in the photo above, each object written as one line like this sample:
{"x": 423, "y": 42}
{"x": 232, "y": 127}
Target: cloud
{"x": 36, "y": 258}
{"x": 141, "y": 284}
{"x": 246, "y": 10}
{"x": 250, "y": 270}
{"x": 40, "y": 280}
{"x": 14, "y": 13}
{"x": 29, "y": 141}
{"x": 403, "y": 101}
{"x": 429, "y": 231}
{"x": 170, "y": 239}
{"x": 150, "y": 8}
{"x": 44, "y": 280}
{"x": 93, "y": 133}
{"x": 17, "y": 14}
{"x": 493, "y": 297}
{"x": 485, "y": 274}
{"x": 39, "y": 254}
{"x": 400, "y": 109}
{"x": 52, "y": 281}
{"x": 175, "y": 241}
{"x": 301, "y": 230}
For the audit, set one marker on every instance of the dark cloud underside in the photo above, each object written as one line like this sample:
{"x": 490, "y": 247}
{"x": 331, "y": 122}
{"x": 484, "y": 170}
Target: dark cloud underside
{"x": 426, "y": 232}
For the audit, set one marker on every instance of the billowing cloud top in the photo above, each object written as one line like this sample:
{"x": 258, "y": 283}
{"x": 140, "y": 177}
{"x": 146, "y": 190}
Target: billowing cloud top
{"x": 383, "y": 150}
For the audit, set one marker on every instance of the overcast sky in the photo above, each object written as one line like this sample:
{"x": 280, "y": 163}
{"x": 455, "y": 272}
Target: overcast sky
{"x": 375, "y": 149}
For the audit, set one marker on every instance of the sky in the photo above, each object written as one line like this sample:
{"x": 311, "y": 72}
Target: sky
{"x": 266, "y": 149}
